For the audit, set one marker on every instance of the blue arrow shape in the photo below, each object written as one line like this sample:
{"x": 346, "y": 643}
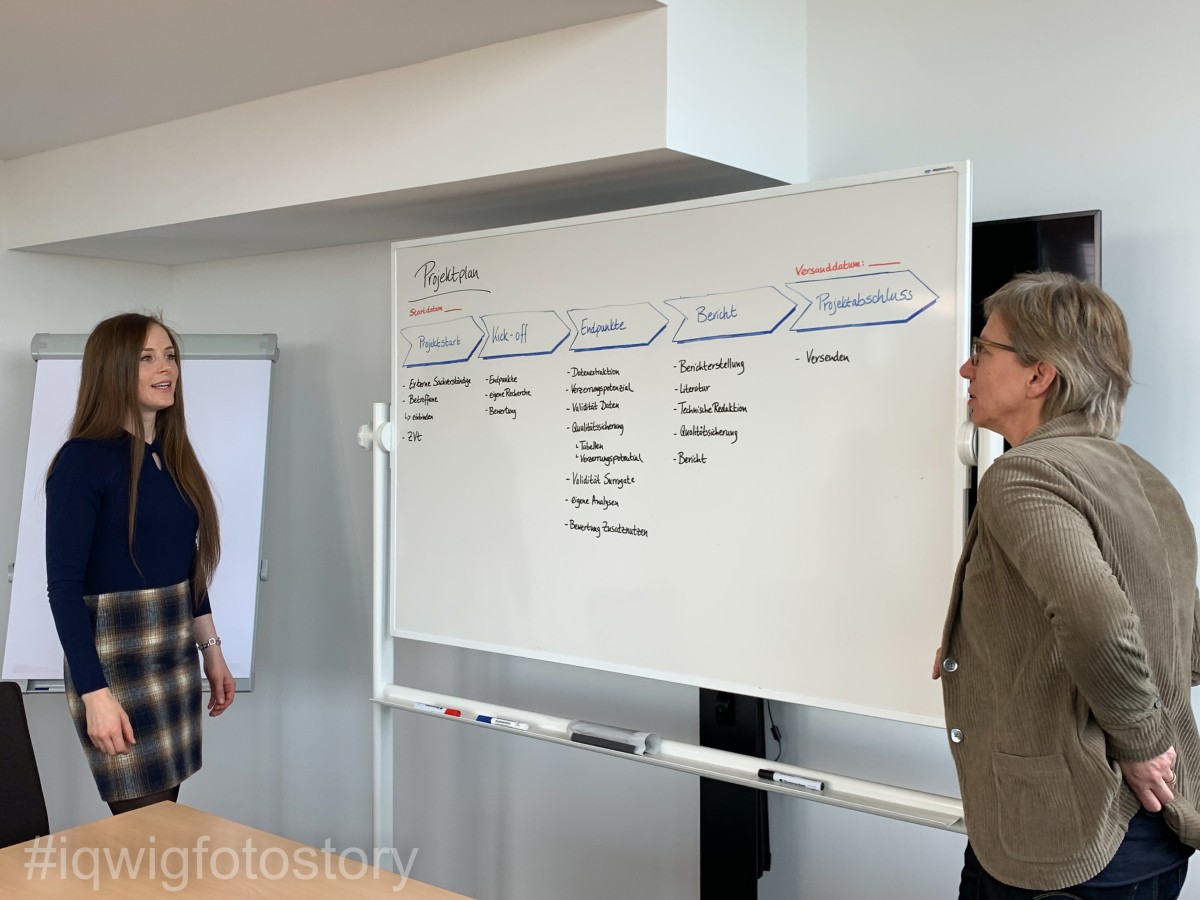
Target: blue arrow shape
{"x": 534, "y": 333}
{"x": 614, "y": 327}
{"x": 849, "y": 301}
{"x": 439, "y": 343}
{"x": 731, "y": 314}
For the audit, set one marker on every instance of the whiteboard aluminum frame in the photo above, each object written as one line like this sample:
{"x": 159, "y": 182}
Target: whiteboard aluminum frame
{"x": 198, "y": 346}
{"x": 962, "y": 284}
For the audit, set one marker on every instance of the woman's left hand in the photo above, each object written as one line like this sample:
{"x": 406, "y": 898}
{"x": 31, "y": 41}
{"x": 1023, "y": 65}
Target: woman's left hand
{"x": 220, "y": 681}
{"x": 1152, "y": 780}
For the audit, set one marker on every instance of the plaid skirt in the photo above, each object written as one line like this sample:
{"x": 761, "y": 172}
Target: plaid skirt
{"x": 148, "y": 655}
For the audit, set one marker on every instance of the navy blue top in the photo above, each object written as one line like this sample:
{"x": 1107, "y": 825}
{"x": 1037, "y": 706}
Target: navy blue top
{"x": 87, "y": 540}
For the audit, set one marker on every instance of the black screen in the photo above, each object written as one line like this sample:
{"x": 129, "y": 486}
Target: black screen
{"x": 1065, "y": 242}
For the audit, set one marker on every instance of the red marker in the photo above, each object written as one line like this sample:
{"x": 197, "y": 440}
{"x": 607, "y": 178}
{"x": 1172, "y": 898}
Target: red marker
{"x": 444, "y": 710}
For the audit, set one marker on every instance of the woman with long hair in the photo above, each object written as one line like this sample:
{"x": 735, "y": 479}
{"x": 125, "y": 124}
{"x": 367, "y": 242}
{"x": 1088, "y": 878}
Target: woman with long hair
{"x": 132, "y": 540}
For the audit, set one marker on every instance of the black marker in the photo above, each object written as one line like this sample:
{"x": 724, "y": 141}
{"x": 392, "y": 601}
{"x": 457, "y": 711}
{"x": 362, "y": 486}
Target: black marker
{"x": 782, "y": 778}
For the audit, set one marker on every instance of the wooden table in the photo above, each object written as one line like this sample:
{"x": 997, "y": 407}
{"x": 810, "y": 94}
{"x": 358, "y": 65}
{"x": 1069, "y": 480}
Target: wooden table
{"x": 183, "y": 851}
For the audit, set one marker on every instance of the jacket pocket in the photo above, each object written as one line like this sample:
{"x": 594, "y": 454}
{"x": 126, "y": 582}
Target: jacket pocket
{"x": 1038, "y": 815}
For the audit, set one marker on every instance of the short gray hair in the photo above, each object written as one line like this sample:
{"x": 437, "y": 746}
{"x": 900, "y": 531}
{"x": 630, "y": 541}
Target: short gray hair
{"x": 1080, "y": 330}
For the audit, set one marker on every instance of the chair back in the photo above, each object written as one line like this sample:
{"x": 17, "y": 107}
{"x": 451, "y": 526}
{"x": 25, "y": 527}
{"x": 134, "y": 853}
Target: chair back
{"x": 22, "y": 803}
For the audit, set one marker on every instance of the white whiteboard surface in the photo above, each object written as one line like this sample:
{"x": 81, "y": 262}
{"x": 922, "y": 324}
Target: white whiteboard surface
{"x": 227, "y": 403}
{"x": 780, "y": 504}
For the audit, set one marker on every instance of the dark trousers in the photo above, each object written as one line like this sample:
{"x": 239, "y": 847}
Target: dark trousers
{"x": 977, "y": 884}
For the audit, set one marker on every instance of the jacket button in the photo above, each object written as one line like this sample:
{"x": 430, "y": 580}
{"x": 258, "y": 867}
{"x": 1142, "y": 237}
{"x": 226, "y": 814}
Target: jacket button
{"x": 949, "y": 665}
{"x": 1157, "y": 703}
{"x": 956, "y": 735}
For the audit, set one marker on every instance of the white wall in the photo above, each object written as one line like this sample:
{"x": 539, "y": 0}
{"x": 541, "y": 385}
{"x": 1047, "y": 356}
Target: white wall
{"x": 738, "y": 69}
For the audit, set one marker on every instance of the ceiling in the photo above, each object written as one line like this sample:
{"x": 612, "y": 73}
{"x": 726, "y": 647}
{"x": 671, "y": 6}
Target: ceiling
{"x": 74, "y": 70}
{"x": 598, "y": 186}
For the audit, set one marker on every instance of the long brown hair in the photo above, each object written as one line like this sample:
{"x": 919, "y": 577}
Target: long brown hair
{"x": 108, "y": 407}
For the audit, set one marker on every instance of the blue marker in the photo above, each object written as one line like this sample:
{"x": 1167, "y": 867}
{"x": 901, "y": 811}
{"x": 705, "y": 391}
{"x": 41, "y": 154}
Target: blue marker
{"x": 507, "y": 723}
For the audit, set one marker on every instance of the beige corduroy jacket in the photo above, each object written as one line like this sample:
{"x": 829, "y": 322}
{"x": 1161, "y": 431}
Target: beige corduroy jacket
{"x": 1070, "y": 643}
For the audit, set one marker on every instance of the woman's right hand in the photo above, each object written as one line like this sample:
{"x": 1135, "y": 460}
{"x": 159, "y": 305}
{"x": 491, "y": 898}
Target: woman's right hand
{"x": 107, "y": 725}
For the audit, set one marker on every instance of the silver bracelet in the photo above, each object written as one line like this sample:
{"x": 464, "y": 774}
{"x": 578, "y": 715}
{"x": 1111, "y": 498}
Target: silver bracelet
{"x": 211, "y": 642}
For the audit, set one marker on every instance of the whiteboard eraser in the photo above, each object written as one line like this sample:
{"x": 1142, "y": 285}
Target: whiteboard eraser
{"x": 612, "y": 738}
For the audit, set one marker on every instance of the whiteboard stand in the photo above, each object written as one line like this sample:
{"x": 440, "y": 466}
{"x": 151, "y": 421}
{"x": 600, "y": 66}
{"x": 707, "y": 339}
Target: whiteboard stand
{"x": 917, "y": 807}
{"x": 376, "y": 437}
{"x": 991, "y": 446}
{"x": 856, "y": 246}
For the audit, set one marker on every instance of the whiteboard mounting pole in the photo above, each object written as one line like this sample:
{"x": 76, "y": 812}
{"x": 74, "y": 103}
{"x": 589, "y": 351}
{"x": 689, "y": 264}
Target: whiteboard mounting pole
{"x": 374, "y": 437}
{"x": 990, "y": 448}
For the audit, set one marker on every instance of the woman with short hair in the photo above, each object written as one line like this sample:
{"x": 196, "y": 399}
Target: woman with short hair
{"x": 1070, "y": 645}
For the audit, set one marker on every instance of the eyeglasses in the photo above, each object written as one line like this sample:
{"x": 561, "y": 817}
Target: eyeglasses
{"x": 977, "y": 345}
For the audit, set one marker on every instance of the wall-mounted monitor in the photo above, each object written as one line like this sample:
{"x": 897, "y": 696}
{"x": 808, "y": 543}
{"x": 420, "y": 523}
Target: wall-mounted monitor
{"x": 1061, "y": 242}
{"x": 1000, "y": 249}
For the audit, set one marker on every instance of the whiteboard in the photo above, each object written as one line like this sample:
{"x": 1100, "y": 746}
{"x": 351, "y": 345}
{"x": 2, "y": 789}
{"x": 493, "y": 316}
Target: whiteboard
{"x": 712, "y": 442}
{"x": 227, "y": 405}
